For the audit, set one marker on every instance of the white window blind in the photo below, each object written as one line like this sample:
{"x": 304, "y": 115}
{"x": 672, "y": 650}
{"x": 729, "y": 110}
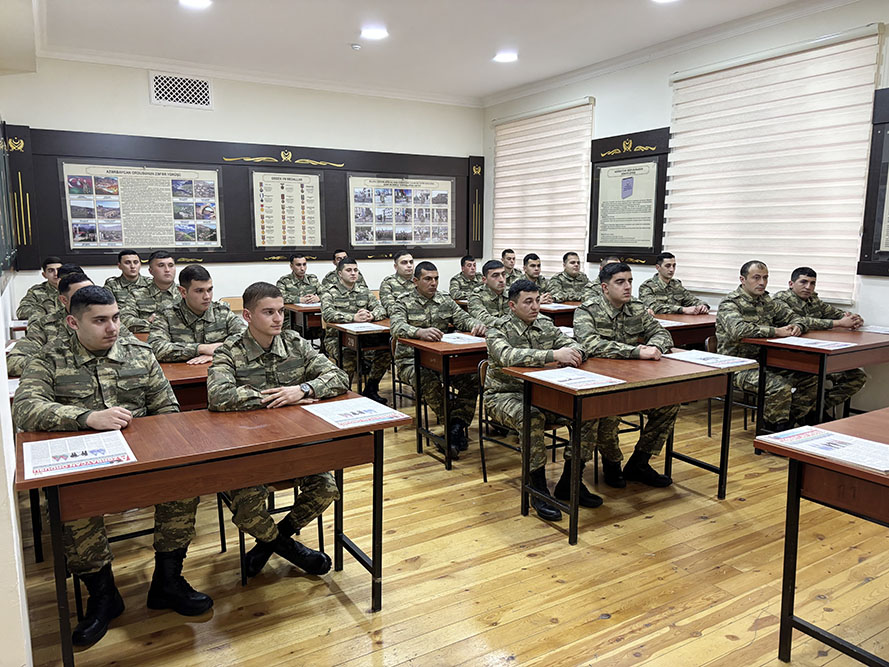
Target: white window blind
{"x": 542, "y": 185}
{"x": 768, "y": 161}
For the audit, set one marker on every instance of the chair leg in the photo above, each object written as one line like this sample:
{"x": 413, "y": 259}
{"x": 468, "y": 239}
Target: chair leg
{"x": 596, "y": 464}
{"x": 222, "y": 545}
{"x": 482, "y": 432}
{"x": 320, "y": 532}
{"x": 709, "y": 417}
{"x": 36, "y": 525}
{"x": 78, "y": 597}
{"x": 242, "y": 550}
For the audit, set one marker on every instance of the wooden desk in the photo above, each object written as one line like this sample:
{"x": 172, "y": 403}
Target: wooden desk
{"x": 446, "y": 359}
{"x": 360, "y": 341}
{"x": 857, "y": 491}
{"x": 463, "y": 303}
{"x": 187, "y": 454}
{"x": 142, "y": 335}
{"x": 561, "y": 317}
{"x": 306, "y": 316}
{"x": 189, "y": 382}
{"x": 690, "y": 329}
{"x": 869, "y": 349}
{"x": 649, "y": 384}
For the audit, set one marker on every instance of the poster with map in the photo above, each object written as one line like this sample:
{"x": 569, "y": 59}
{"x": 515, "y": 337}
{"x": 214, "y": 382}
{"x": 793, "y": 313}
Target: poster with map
{"x": 286, "y": 210}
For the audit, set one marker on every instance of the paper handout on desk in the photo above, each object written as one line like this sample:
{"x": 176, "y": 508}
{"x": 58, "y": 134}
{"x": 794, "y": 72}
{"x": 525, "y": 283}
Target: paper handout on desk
{"x": 354, "y": 412}
{"x": 575, "y": 378}
{"x": 816, "y": 343}
{"x": 362, "y": 326}
{"x": 873, "y": 328}
{"x": 708, "y": 358}
{"x": 461, "y": 339}
{"x": 558, "y": 306}
{"x": 44, "y": 458}
{"x": 668, "y": 323}
{"x": 835, "y": 446}
{"x": 13, "y": 385}
{"x": 568, "y": 331}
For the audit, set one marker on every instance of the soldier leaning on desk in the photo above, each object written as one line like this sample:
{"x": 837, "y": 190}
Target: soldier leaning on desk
{"x": 617, "y": 326}
{"x": 267, "y": 367}
{"x": 343, "y": 302}
{"x": 426, "y": 315}
{"x": 400, "y": 283}
{"x": 488, "y": 302}
{"x": 533, "y": 269}
{"x": 663, "y": 293}
{"x": 130, "y": 265}
{"x": 299, "y": 286}
{"x": 749, "y": 312}
{"x": 463, "y": 283}
{"x": 43, "y": 297}
{"x": 192, "y": 328}
{"x": 98, "y": 380}
{"x": 524, "y": 339}
{"x": 571, "y": 283}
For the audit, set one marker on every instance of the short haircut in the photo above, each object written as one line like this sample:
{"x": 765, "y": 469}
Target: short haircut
{"x": 567, "y": 255}
{"x": 529, "y": 257}
{"x": 67, "y": 268}
{"x": 296, "y": 255}
{"x": 91, "y": 295}
{"x": 52, "y": 259}
{"x": 124, "y": 253}
{"x": 338, "y": 251}
{"x": 606, "y": 273}
{"x": 807, "y": 271}
{"x": 519, "y": 286}
{"x": 72, "y": 279}
{"x": 662, "y": 256}
{"x": 492, "y": 265}
{"x": 345, "y": 261}
{"x": 159, "y": 254}
{"x": 191, "y": 273}
{"x": 610, "y": 258}
{"x": 465, "y": 259}
{"x": 749, "y": 265}
{"x": 257, "y": 291}
{"x": 506, "y": 252}
{"x": 400, "y": 254}
{"x": 424, "y": 266}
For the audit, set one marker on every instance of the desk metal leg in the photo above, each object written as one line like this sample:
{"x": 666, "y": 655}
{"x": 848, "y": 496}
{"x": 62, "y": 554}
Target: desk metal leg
{"x": 575, "y": 473}
{"x": 526, "y": 445}
{"x": 791, "y": 542}
{"x": 358, "y": 362}
{"x": 339, "y": 352}
{"x": 726, "y": 436}
{"x": 819, "y": 391}
{"x": 761, "y": 389}
{"x": 418, "y": 400}
{"x": 59, "y": 570}
{"x": 377, "y": 538}
{"x": 446, "y": 406}
{"x": 36, "y": 524}
{"x": 338, "y": 523}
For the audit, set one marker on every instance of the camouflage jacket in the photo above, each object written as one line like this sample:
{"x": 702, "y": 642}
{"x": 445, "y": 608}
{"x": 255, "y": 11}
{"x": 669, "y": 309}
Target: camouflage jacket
{"x": 512, "y": 275}
{"x": 65, "y": 382}
{"x": 604, "y": 331}
{"x": 565, "y": 288}
{"x": 122, "y": 288}
{"x": 143, "y": 302}
{"x": 741, "y": 315}
{"x": 294, "y": 289}
{"x": 541, "y": 282}
{"x": 670, "y": 298}
{"x": 332, "y": 278}
{"x": 392, "y": 289}
{"x": 38, "y": 300}
{"x": 486, "y": 305}
{"x": 242, "y": 369}
{"x": 339, "y": 304}
{"x": 417, "y": 312}
{"x": 818, "y": 315}
{"x": 511, "y": 342}
{"x": 461, "y": 286}
{"x": 177, "y": 331}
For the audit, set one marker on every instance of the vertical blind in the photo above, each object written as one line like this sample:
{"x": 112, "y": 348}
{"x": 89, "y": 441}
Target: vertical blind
{"x": 768, "y": 160}
{"x": 542, "y": 185}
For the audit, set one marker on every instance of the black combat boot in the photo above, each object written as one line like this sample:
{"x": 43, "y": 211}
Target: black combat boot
{"x": 544, "y": 509}
{"x": 313, "y": 562}
{"x": 372, "y": 391}
{"x": 102, "y": 607}
{"x": 455, "y": 437}
{"x": 563, "y": 488}
{"x": 614, "y": 476}
{"x": 639, "y": 470}
{"x": 258, "y": 556}
{"x": 170, "y": 590}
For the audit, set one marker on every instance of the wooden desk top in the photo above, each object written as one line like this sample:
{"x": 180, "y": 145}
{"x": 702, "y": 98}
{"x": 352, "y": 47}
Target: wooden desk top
{"x": 179, "y": 372}
{"x": 342, "y": 327}
{"x": 179, "y": 438}
{"x": 142, "y": 335}
{"x": 559, "y": 307}
{"x": 704, "y": 320}
{"x": 862, "y": 339}
{"x": 444, "y": 348}
{"x": 303, "y": 307}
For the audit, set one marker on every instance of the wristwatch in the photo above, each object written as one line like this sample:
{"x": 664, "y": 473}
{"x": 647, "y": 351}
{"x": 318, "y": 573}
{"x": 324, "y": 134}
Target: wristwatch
{"x": 306, "y": 389}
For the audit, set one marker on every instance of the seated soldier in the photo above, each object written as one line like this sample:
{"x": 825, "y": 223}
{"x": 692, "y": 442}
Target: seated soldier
{"x": 594, "y": 287}
{"x": 338, "y": 256}
{"x": 299, "y": 286}
{"x": 400, "y": 283}
{"x": 144, "y": 303}
{"x": 569, "y": 285}
{"x": 463, "y": 283}
{"x": 488, "y": 301}
{"x": 191, "y": 329}
{"x": 346, "y": 301}
{"x": 749, "y": 312}
{"x": 524, "y": 339}
{"x": 663, "y": 293}
{"x": 511, "y": 274}
{"x": 531, "y": 263}
{"x": 611, "y": 326}
{"x": 130, "y": 265}
{"x": 97, "y": 380}
{"x": 268, "y": 367}
{"x": 43, "y": 297}
{"x": 426, "y": 315}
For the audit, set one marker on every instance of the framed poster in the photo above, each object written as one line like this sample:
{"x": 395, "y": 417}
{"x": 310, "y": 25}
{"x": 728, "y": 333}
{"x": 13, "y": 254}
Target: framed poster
{"x": 286, "y": 210}
{"x": 874, "y": 256}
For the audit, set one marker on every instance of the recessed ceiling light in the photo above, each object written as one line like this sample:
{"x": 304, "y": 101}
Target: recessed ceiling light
{"x": 663, "y": 2}
{"x": 506, "y": 57}
{"x": 374, "y": 32}
{"x": 196, "y": 4}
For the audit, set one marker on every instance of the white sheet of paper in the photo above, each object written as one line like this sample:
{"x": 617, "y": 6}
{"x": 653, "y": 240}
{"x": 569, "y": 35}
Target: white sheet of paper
{"x": 668, "y": 323}
{"x": 11, "y": 344}
{"x": 836, "y": 446}
{"x": 873, "y": 328}
{"x": 708, "y": 358}
{"x": 18, "y": 323}
{"x": 575, "y": 378}
{"x": 461, "y": 339}
{"x": 44, "y": 458}
{"x": 568, "y": 331}
{"x": 362, "y": 326}
{"x": 13, "y": 385}
{"x": 813, "y": 342}
{"x": 559, "y": 306}
{"x": 353, "y": 412}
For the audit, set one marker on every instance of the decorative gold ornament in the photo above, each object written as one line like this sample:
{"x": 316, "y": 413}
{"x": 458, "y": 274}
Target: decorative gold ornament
{"x": 16, "y": 144}
{"x": 476, "y": 170}
{"x": 627, "y": 147}
{"x": 286, "y": 155}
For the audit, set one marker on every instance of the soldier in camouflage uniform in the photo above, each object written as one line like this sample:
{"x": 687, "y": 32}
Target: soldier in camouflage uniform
{"x": 44, "y": 297}
{"x": 463, "y": 283}
{"x": 617, "y": 326}
{"x": 97, "y": 380}
{"x": 268, "y": 367}
{"x": 532, "y": 266}
{"x": 507, "y": 257}
{"x": 345, "y": 301}
{"x": 298, "y": 286}
{"x": 426, "y": 315}
{"x": 130, "y": 265}
{"x": 571, "y": 283}
{"x": 144, "y": 303}
{"x": 489, "y": 302}
{"x": 191, "y": 329}
{"x": 338, "y": 256}
{"x": 663, "y": 293}
{"x": 524, "y": 339}
{"x": 749, "y": 312}
{"x": 400, "y": 283}
{"x": 803, "y": 300}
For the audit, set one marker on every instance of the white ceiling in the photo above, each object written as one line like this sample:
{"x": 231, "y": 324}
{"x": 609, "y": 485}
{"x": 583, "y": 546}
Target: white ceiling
{"x": 437, "y": 51}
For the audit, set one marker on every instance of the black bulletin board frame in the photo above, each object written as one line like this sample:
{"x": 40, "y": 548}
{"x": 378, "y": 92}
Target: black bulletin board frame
{"x": 281, "y": 249}
{"x": 872, "y": 262}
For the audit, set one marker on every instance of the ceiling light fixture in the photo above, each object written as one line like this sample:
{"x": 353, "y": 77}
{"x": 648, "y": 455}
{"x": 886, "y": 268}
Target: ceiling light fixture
{"x": 356, "y": 47}
{"x": 663, "y": 2}
{"x": 374, "y": 32}
{"x": 196, "y": 4}
{"x": 506, "y": 57}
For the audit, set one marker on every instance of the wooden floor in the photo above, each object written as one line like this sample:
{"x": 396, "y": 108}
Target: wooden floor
{"x": 659, "y": 576}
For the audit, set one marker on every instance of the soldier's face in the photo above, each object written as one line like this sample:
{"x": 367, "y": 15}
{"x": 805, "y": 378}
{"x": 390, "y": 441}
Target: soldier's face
{"x": 667, "y": 269}
{"x": 337, "y": 258}
{"x": 619, "y": 290}
{"x": 97, "y": 327}
{"x": 756, "y": 281}
{"x": 496, "y": 280}
{"x": 162, "y": 270}
{"x": 468, "y": 269}
{"x": 266, "y": 318}
{"x": 51, "y": 273}
{"x": 572, "y": 266}
{"x": 803, "y": 287}
{"x": 526, "y": 307}
{"x": 129, "y": 266}
{"x": 299, "y": 266}
{"x": 66, "y": 298}
{"x": 427, "y": 283}
{"x": 405, "y": 266}
{"x": 198, "y": 296}
{"x": 509, "y": 260}
{"x": 349, "y": 274}
{"x": 532, "y": 268}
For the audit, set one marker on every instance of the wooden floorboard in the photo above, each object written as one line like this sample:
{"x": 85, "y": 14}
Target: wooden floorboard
{"x": 658, "y": 577}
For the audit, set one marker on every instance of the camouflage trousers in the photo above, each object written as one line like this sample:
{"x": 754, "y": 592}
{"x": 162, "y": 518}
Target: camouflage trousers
{"x": 379, "y": 359}
{"x": 789, "y": 395}
{"x": 86, "y": 544}
{"x": 462, "y": 406}
{"x": 844, "y": 386}
{"x": 313, "y": 494}
{"x": 655, "y": 431}
{"x": 506, "y": 408}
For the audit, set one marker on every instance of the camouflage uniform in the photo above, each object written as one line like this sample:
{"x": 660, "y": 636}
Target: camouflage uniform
{"x": 565, "y": 288}
{"x": 417, "y": 312}
{"x": 819, "y": 315}
{"x": 295, "y": 289}
{"x": 486, "y": 305}
{"x": 604, "y": 331}
{"x": 540, "y": 281}
{"x": 177, "y": 331}
{"x": 666, "y": 298}
{"x": 511, "y": 342}
{"x": 241, "y": 370}
{"x": 122, "y": 288}
{"x": 789, "y": 395}
{"x": 512, "y": 275}
{"x": 392, "y": 289}
{"x": 60, "y": 387}
{"x": 38, "y": 300}
{"x": 461, "y": 286}
{"x": 339, "y": 305}
{"x": 332, "y": 278}
{"x": 143, "y": 302}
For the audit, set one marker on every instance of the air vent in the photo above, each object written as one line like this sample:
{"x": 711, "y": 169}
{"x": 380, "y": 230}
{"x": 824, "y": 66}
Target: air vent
{"x": 180, "y": 91}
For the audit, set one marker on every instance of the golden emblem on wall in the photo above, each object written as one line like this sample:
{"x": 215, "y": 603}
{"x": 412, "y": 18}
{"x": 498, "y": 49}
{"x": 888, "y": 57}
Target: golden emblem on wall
{"x": 16, "y": 144}
{"x": 627, "y": 147}
{"x": 286, "y": 155}
{"x": 476, "y": 170}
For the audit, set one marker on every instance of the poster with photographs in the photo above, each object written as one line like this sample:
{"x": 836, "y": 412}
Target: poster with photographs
{"x": 141, "y": 207}
{"x": 626, "y": 205}
{"x": 401, "y": 211}
{"x": 286, "y": 210}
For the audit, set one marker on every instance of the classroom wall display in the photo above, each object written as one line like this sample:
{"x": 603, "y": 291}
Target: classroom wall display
{"x": 286, "y": 210}
{"x": 874, "y": 257}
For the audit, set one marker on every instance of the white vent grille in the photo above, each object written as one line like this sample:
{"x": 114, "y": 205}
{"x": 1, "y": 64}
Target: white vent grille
{"x": 180, "y": 91}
